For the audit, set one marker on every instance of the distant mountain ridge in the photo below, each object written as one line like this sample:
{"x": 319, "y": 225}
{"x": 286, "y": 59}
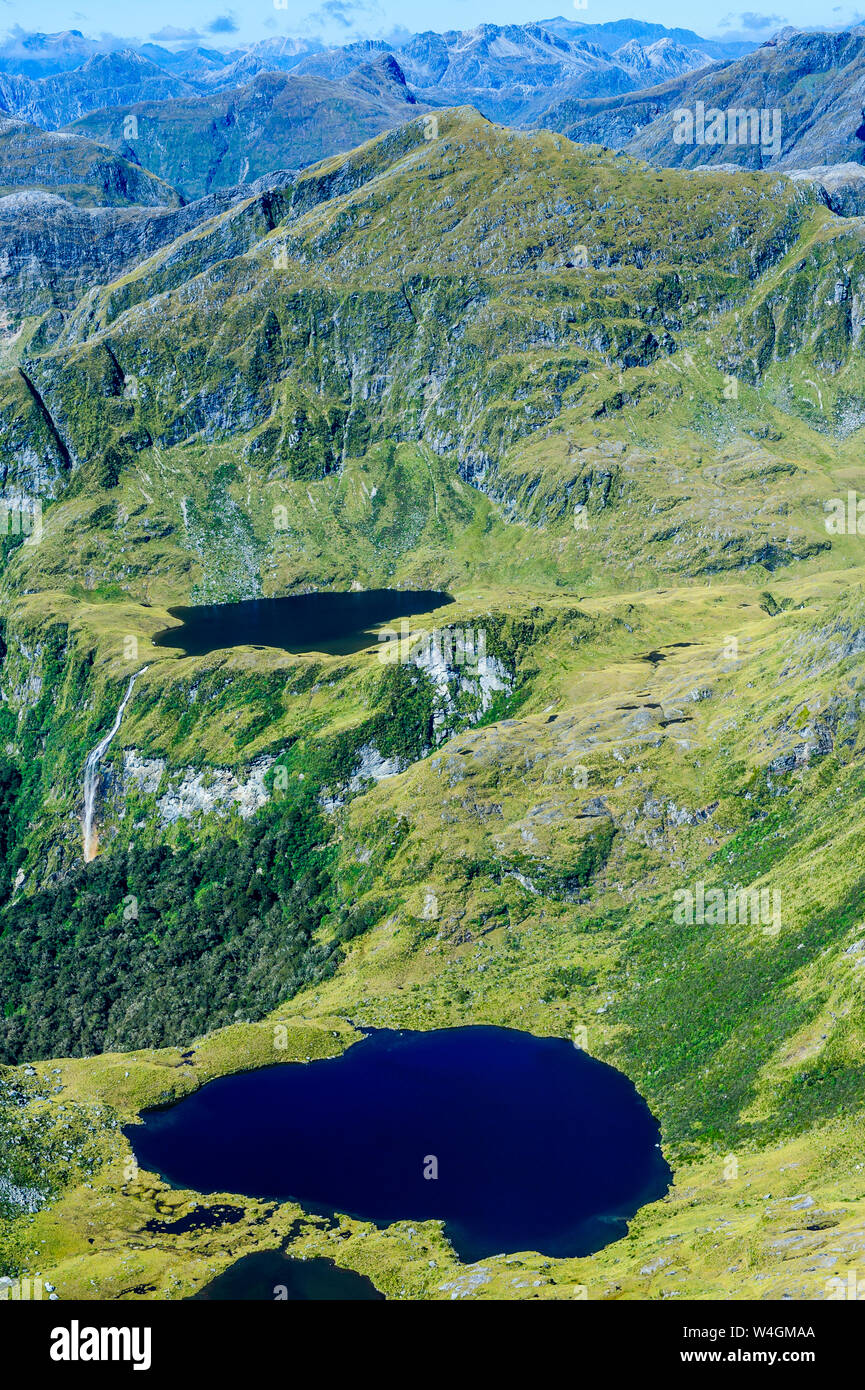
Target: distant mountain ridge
{"x": 815, "y": 80}
{"x": 106, "y": 79}
{"x": 510, "y": 72}
{"x": 277, "y": 121}
{"x": 41, "y": 55}
{"x": 614, "y": 33}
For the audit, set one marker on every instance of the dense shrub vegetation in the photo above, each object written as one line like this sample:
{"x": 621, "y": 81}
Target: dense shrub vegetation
{"x": 148, "y": 947}
{"x": 145, "y": 948}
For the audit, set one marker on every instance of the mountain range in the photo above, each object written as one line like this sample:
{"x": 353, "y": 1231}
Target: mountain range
{"x": 203, "y": 119}
{"x": 486, "y": 361}
{"x": 293, "y": 101}
{"x": 271, "y": 333}
{"x": 512, "y": 72}
{"x": 109, "y": 79}
{"x": 165, "y": 136}
{"x": 815, "y": 81}
{"x": 276, "y": 121}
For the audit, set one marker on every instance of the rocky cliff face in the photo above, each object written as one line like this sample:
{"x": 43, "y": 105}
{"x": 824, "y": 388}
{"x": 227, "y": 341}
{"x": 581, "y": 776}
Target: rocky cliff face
{"x": 187, "y": 793}
{"x": 54, "y": 249}
{"x": 841, "y": 185}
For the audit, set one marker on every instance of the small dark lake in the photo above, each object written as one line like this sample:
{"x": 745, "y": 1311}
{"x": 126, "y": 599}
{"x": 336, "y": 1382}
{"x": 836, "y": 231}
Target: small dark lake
{"x": 515, "y": 1142}
{"x": 270, "y": 1275}
{"x": 335, "y": 623}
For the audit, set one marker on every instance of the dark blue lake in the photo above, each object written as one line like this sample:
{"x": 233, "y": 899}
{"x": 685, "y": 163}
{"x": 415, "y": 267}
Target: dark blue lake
{"x": 515, "y": 1142}
{"x": 271, "y": 1275}
{"x": 335, "y": 623}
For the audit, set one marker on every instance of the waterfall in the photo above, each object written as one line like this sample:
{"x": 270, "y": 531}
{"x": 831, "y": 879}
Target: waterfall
{"x": 91, "y": 774}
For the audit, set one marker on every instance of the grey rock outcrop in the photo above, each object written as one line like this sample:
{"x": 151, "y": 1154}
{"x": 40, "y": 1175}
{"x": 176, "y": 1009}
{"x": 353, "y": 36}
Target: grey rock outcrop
{"x": 842, "y": 186}
{"x": 188, "y": 792}
{"x": 53, "y": 250}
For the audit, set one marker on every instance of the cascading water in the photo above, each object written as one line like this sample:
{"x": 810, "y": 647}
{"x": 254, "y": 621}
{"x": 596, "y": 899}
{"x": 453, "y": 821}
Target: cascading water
{"x": 91, "y": 774}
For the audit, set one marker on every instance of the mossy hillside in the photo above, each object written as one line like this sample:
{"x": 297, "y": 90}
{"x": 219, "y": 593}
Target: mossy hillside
{"x": 197, "y": 524}
{"x": 805, "y": 315}
{"x": 325, "y": 306}
{"x": 665, "y": 500}
{"x": 63, "y": 682}
{"x": 761, "y": 991}
{"x": 460, "y": 206}
{"x": 59, "y": 1143}
{"x": 327, "y": 338}
{"x": 674, "y": 480}
{"x": 770, "y": 1039}
{"x": 44, "y": 1149}
{"x": 80, "y": 171}
{"x": 174, "y": 909}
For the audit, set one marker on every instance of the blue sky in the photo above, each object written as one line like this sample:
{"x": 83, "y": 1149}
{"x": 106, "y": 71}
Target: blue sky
{"x": 338, "y": 21}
